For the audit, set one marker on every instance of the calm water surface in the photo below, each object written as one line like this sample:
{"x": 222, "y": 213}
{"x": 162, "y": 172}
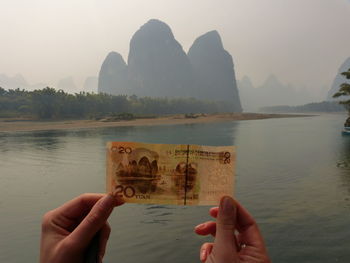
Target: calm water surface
{"x": 292, "y": 174}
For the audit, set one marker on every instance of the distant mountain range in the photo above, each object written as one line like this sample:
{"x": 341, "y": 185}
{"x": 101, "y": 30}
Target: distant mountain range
{"x": 273, "y": 96}
{"x": 158, "y": 67}
{"x": 18, "y": 81}
{"x": 271, "y": 93}
{"x": 329, "y": 105}
{"x": 90, "y": 84}
{"x": 66, "y": 84}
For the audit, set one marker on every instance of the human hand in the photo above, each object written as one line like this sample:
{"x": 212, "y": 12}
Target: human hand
{"x": 237, "y": 236}
{"x": 68, "y": 230}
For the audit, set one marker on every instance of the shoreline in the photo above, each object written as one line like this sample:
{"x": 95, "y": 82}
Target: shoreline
{"x": 30, "y": 125}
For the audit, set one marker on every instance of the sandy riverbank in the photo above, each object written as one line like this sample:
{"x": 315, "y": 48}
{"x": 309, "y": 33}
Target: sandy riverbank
{"x": 16, "y": 125}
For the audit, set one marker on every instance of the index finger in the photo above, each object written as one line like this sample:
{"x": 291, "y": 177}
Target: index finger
{"x": 95, "y": 220}
{"x": 75, "y": 209}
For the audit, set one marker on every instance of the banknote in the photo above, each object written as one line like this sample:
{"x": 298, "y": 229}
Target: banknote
{"x": 170, "y": 173}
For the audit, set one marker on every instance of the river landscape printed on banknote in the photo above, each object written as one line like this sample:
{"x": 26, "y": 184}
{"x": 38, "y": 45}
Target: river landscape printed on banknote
{"x": 170, "y": 173}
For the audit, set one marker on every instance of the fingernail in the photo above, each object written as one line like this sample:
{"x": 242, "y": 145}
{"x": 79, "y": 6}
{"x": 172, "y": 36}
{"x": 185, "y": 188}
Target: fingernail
{"x": 107, "y": 202}
{"x": 227, "y": 205}
{"x": 203, "y": 255}
{"x": 200, "y": 226}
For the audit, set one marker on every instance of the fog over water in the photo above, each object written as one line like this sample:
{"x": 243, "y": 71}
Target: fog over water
{"x": 303, "y": 43}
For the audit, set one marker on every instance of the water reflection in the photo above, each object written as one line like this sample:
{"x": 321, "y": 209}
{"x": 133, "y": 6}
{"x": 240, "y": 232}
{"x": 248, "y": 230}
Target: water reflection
{"x": 344, "y": 163}
{"x": 44, "y": 140}
{"x": 202, "y": 134}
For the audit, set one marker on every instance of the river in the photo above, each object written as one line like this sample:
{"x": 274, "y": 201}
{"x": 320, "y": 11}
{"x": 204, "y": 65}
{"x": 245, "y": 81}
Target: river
{"x": 293, "y": 175}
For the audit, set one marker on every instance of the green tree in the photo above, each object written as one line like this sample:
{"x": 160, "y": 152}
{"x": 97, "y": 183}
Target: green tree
{"x": 2, "y": 91}
{"x": 46, "y": 102}
{"x": 49, "y": 103}
{"x": 345, "y": 91}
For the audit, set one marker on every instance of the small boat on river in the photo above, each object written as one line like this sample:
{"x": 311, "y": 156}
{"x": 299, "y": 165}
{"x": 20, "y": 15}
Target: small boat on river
{"x": 346, "y": 130}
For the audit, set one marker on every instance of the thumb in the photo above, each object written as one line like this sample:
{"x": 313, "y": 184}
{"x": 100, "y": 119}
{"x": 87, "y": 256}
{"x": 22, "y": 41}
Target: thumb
{"x": 95, "y": 220}
{"x": 225, "y": 242}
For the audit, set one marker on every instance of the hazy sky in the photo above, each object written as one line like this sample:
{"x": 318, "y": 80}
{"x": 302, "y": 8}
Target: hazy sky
{"x": 303, "y": 42}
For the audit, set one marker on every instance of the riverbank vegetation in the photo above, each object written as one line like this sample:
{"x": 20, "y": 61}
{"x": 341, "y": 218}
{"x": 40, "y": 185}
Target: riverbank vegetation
{"x": 49, "y": 103}
{"x": 344, "y": 91}
{"x": 317, "y": 107}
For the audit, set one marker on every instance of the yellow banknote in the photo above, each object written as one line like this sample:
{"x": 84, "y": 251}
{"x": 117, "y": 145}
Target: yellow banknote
{"x": 170, "y": 173}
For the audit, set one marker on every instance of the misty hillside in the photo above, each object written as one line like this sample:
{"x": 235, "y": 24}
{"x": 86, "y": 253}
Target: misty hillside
{"x": 271, "y": 93}
{"x": 338, "y": 80}
{"x": 157, "y": 64}
{"x": 90, "y": 84}
{"x": 159, "y": 67}
{"x": 18, "y": 81}
{"x": 67, "y": 84}
{"x": 213, "y": 70}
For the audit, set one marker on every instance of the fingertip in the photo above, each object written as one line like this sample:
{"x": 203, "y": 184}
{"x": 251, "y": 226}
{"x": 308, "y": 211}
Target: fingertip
{"x": 199, "y": 227}
{"x": 200, "y": 232}
{"x": 203, "y": 255}
{"x": 227, "y": 208}
{"x": 119, "y": 200}
{"x": 207, "y": 228}
{"x": 214, "y": 211}
{"x": 106, "y": 203}
{"x": 204, "y": 251}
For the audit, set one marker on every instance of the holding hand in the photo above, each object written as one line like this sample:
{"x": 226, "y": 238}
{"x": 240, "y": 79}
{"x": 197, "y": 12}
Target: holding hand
{"x": 68, "y": 230}
{"x": 237, "y": 236}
